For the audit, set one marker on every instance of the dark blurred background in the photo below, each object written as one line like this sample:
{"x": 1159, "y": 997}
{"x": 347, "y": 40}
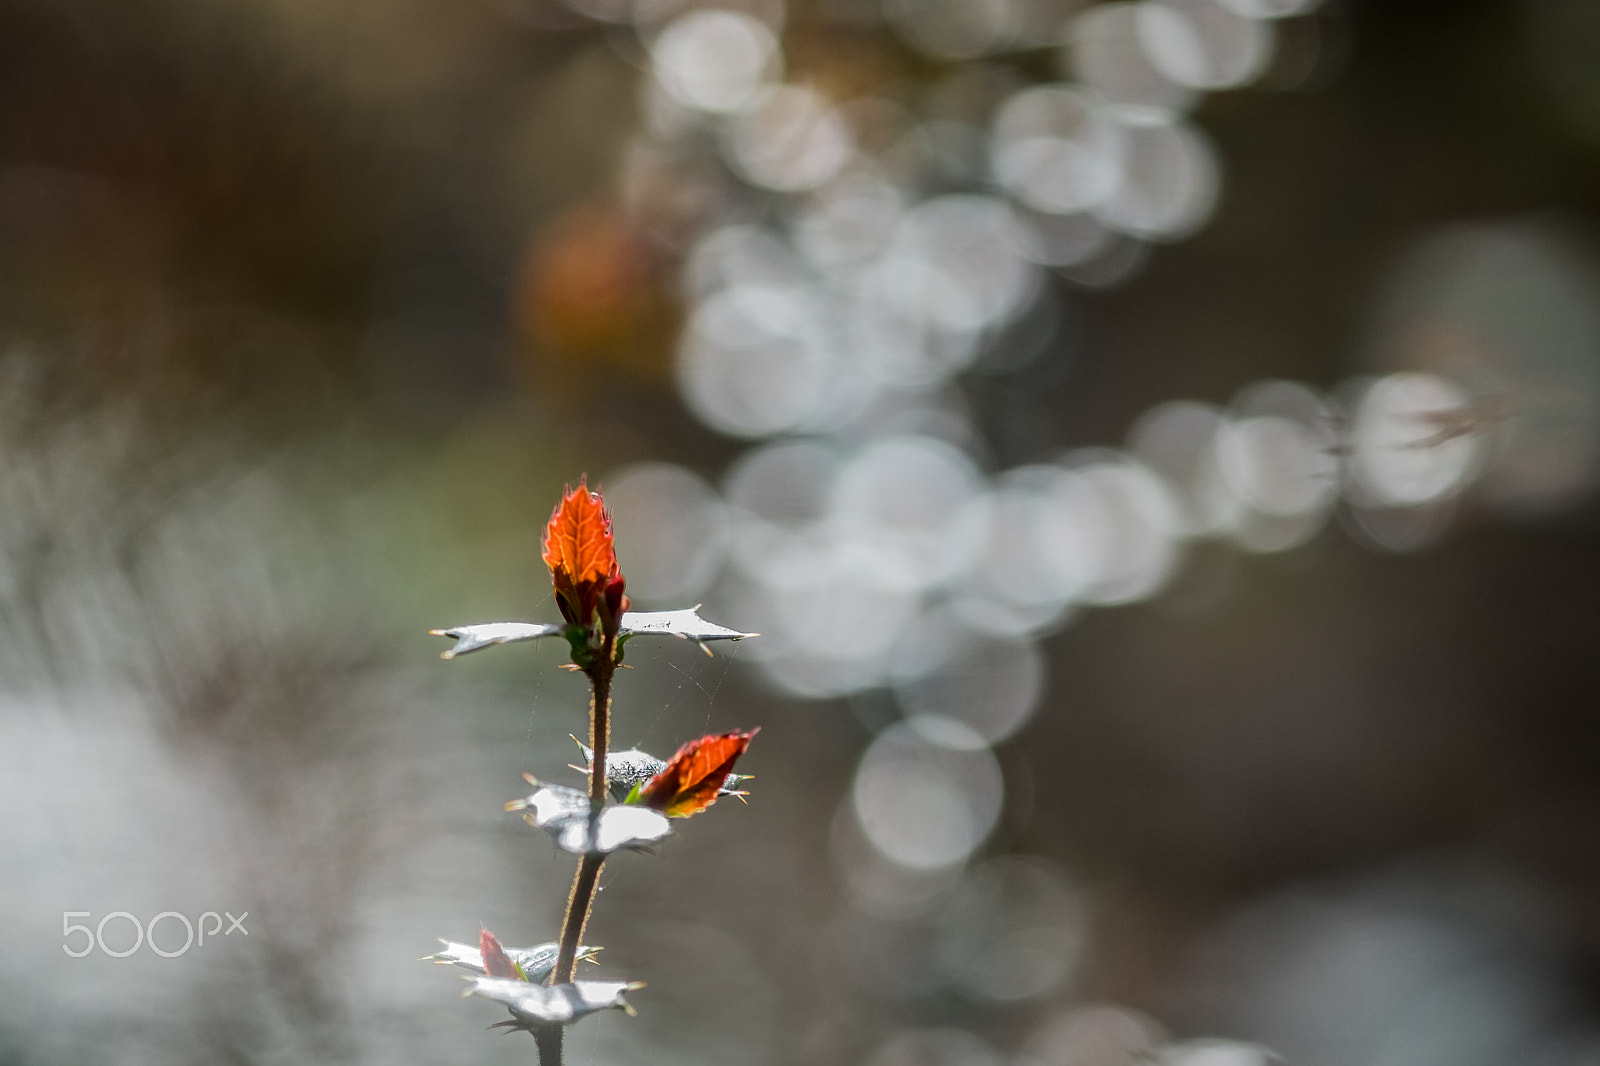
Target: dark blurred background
{"x": 1157, "y": 442}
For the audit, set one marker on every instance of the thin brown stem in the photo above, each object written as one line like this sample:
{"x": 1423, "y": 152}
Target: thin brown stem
{"x": 578, "y": 905}
{"x": 581, "y": 899}
{"x": 600, "y": 722}
{"x": 583, "y": 885}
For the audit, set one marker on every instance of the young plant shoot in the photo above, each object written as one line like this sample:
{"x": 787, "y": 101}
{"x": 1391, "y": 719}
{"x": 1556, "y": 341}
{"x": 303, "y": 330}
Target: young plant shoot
{"x": 632, "y": 796}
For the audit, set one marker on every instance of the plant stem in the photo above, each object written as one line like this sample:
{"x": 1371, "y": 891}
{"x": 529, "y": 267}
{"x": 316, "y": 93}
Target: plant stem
{"x": 578, "y": 904}
{"x": 583, "y": 885}
{"x": 600, "y": 721}
{"x": 582, "y": 897}
{"x": 548, "y": 1039}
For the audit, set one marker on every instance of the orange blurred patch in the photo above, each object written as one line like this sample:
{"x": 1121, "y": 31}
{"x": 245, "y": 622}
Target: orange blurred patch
{"x": 592, "y": 297}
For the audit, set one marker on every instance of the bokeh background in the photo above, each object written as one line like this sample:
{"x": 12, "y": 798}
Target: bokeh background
{"x": 1156, "y": 442}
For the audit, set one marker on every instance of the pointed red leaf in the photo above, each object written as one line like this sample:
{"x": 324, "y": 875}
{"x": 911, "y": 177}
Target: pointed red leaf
{"x": 578, "y": 548}
{"x": 693, "y": 777}
{"x": 577, "y": 542}
{"x": 496, "y": 963}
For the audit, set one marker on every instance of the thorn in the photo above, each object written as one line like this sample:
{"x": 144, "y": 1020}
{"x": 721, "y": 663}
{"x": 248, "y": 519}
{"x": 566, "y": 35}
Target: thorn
{"x": 706, "y": 648}
{"x": 437, "y": 633}
{"x": 530, "y": 779}
{"x": 447, "y": 654}
{"x": 516, "y": 805}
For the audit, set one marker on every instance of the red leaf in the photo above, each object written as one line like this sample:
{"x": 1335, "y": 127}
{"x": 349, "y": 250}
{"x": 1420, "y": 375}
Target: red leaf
{"x": 496, "y": 963}
{"x": 693, "y": 777}
{"x": 578, "y": 548}
{"x": 577, "y": 542}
